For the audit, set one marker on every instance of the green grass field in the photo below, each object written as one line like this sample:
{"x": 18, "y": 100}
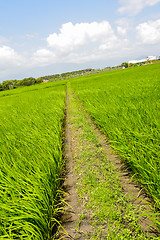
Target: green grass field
{"x": 125, "y": 104}
{"x": 30, "y": 160}
{"x": 110, "y": 212}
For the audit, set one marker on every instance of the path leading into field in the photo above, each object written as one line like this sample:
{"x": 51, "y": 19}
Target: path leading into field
{"x": 102, "y": 200}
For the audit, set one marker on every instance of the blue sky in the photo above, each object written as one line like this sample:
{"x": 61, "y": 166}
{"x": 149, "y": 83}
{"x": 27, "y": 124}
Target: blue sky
{"x": 42, "y": 37}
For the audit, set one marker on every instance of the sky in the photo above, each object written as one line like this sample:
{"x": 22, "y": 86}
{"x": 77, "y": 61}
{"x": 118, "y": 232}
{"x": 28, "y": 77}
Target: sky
{"x": 44, "y": 37}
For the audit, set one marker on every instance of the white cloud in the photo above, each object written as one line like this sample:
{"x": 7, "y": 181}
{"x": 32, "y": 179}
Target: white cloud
{"x": 149, "y": 32}
{"x": 133, "y": 7}
{"x": 10, "y": 61}
{"x": 122, "y": 31}
{"x": 43, "y": 56}
{"x": 81, "y": 42}
{"x": 72, "y": 37}
{"x": 9, "y": 57}
{"x": 123, "y": 26}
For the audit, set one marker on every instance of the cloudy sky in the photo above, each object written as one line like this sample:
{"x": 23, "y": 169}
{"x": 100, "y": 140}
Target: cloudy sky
{"x": 42, "y": 37}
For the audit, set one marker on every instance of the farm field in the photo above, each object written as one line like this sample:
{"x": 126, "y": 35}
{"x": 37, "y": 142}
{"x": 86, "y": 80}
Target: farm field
{"x": 125, "y": 105}
{"x": 30, "y": 160}
{"x": 104, "y": 209}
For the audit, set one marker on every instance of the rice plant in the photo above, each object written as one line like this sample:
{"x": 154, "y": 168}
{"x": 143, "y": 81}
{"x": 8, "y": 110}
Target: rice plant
{"x": 125, "y": 104}
{"x": 30, "y": 160}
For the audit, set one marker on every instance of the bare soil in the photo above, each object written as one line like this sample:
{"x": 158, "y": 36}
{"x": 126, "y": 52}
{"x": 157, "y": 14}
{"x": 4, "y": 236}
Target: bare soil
{"x": 70, "y": 217}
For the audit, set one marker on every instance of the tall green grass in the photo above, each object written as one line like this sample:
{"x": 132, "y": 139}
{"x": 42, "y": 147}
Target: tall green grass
{"x": 126, "y": 105}
{"x": 31, "y": 162}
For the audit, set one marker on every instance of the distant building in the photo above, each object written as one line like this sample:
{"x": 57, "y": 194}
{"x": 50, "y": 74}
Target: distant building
{"x": 149, "y": 58}
{"x": 138, "y": 61}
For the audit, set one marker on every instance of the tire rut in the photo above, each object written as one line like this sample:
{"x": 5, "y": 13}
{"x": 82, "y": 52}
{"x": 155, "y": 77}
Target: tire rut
{"x": 130, "y": 188}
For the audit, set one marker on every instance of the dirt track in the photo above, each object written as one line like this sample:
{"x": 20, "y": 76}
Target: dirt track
{"x": 75, "y": 207}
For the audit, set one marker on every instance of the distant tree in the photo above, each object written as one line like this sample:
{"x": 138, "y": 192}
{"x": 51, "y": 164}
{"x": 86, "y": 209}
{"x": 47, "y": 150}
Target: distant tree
{"x": 130, "y": 65}
{"x": 124, "y": 64}
{"x": 1, "y": 88}
{"x": 39, "y": 80}
{"x": 14, "y": 83}
{"x": 28, "y": 81}
{"x": 17, "y": 83}
{"x": 6, "y": 85}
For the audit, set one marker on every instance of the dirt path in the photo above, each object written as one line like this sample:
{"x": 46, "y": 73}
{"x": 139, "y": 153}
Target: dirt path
{"x": 70, "y": 217}
{"x": 79, "y": 219}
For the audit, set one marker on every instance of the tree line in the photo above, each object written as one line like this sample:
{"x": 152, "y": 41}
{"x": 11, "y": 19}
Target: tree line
{"x": 12, "y": 84}
{"x": 67, "y": 75}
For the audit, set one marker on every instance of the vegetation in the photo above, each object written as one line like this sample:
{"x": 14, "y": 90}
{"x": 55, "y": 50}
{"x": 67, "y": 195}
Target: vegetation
{"x": 109, "y": 212}
{"x": 30, "y": 160}
{"x": 125, "y": 105}
{"x": 12, "y": 84}
{"x": 125, "y": 64}
{"x": 67, "y": 75}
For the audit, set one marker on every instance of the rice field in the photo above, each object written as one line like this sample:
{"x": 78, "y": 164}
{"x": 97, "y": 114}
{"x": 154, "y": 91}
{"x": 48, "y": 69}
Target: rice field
{"x": 125, "y": 104}
{"x": 31, "y": 162}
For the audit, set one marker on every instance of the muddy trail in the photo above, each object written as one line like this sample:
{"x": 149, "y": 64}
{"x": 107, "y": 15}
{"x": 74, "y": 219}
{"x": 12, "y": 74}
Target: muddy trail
{"x": 102, "y": 200}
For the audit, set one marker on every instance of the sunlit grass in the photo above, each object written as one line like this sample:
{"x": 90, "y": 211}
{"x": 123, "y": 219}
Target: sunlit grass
{"x": 30, "y": 160}
{"x": 126, "y": 105}
{"x": 102, "y": 201}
